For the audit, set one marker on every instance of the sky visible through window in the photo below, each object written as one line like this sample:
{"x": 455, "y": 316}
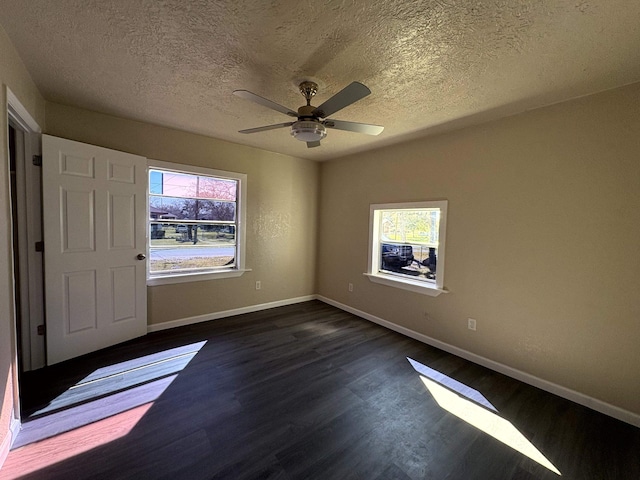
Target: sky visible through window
{"x": 184, "y": 185}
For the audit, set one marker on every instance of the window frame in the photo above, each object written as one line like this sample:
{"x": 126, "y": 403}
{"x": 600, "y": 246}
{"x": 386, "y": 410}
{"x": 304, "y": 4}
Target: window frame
{"x": 374, "y": 273}
{"x": 241, "y": 197}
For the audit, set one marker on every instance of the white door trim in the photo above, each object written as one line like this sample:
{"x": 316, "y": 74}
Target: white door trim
{"x": 21, "y": 115}
{"x": 16, "y": 112}
{"x": 29, "y": 228}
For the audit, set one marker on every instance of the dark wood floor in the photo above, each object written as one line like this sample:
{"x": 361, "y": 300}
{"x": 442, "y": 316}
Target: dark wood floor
{"x": 300, "y": 392}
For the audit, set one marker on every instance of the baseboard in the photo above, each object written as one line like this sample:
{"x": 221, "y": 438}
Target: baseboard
{"x": 574, "y": 396}
{"x": 5, "y": 447}
{"x": 156, "y": 327}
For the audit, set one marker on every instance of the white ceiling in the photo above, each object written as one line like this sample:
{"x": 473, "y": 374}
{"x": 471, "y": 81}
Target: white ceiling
{"x": 431, "y": 65}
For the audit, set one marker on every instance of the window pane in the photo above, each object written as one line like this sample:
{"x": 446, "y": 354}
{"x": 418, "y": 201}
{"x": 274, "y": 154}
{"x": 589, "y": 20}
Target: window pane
{"x": 419, "y": 226}
{"x": 191, "y": 258}
{"x": 414, "y": 260}
{"x": 409, "y": 259}
{"x": 217, "y": 189}
{"x": 409, "y": 242}
{"x": 190, "y": 209}
{"x": 188, "y": 234}
{"x": 221, "y": 211}
{"x": 191, "y": 186}
{"x": 155, "y": 182}
{"x": 172, "y": 184}
{"x": 166, "y": 207}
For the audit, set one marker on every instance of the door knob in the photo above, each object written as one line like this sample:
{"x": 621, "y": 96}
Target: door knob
{"x": 141, "y": 256}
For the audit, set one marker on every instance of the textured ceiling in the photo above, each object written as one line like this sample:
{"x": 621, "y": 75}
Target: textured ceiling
{"x": 431, "y": 65}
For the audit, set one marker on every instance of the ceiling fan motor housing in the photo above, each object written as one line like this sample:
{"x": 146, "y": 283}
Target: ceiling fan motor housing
{"x": 306, "y": 111}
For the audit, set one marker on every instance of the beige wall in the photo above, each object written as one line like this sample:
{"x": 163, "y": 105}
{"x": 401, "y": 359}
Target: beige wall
{"x": 543, "y": 239}
{"x": 282, "y": 203}
{"x": 14, "y": 76}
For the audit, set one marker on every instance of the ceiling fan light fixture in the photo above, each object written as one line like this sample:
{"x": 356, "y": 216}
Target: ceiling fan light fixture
{"x": 308, "y": 131}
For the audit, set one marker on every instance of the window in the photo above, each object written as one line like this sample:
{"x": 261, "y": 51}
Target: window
{"x": 406, "y": 245}
{"x": 195, "y": 223}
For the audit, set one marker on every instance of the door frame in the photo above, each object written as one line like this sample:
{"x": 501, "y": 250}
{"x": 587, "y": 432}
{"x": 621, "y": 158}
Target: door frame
{"x": 29, "y": 228}
{"x": 19, "y": 118}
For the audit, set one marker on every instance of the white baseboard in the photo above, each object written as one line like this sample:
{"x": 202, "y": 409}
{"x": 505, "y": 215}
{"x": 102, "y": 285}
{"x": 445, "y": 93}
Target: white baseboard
{"x": 156, "y": 327}
{"x": 5, "y": 447}
{"x": 577, "y": 397}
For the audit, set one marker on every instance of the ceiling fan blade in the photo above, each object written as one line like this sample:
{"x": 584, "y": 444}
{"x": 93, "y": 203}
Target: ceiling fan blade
{"x": 247, "y": 95}
{"x": 266, "y": 127}
{"x": 354, "y": 127}
{"x": 313, "y": 144}
{"x": 345, "y": 97}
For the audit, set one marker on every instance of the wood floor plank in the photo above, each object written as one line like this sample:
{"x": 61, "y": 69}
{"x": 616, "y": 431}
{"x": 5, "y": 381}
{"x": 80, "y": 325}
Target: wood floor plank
{"x": 304, "y": 391}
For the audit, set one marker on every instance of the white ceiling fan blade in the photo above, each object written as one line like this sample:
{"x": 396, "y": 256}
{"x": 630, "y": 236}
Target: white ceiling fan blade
{"x": 247, "y": 95}
{"x": 345, "y": 97}
{"x": 354, "y": 127}
{"x": 266, "y": 127}
{"x": 313, "y": 144}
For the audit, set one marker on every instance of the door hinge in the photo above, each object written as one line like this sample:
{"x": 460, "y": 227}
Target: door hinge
{"x": 37, "y": 160}
{"x": 40, "y": 246}
{"x": 41, "y": 329}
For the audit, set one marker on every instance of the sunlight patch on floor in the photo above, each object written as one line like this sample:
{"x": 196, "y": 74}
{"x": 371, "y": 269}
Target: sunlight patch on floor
{"x": 442, "y": 379}
{"x": 39, "y": 455}
{"x": 107, "y": 392}
{"x": 478, "y": 414}
{"x": 124, "y": 375}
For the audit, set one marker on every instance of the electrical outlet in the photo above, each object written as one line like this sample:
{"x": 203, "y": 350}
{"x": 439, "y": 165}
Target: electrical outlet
{"x": 426, "y": 316}
{"x": 258, "y": 285}
{"x": 471, "y": 323}
{"x": 351, "y": 287}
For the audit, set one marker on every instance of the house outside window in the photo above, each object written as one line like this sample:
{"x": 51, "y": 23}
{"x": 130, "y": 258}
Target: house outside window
{"x": 407, "y": 245}
{"x": 195, "y": 223}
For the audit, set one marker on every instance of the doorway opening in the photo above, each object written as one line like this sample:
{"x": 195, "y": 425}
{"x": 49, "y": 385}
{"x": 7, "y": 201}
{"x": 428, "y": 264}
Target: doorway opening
{"x": 25, "y": 229}
{"x": 13, "y": 189}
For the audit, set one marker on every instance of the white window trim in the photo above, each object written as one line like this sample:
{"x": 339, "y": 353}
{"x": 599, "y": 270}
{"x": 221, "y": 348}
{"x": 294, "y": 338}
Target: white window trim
{"x": 374, "y": 274}
{"x": 241, "y": 225}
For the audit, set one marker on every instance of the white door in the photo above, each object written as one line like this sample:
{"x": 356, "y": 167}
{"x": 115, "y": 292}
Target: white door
{"x": 94, "y": 209}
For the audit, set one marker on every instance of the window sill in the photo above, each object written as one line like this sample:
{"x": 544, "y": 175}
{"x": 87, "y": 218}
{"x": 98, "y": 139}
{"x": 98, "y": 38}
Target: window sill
{"x": 406, "y": 284}
{"x": 196, "y": 277}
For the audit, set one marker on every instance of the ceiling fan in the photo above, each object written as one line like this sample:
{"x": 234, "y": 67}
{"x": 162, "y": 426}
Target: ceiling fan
{"x": 312, "y": 122}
